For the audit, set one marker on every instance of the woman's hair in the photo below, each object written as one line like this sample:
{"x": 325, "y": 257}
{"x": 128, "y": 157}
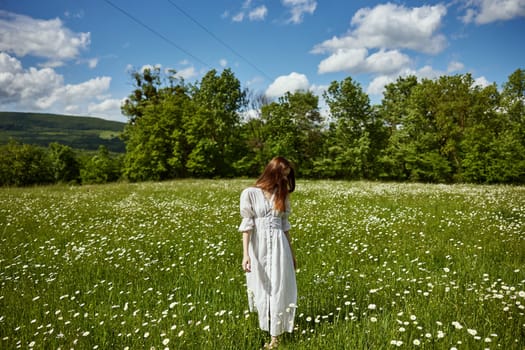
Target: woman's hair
{"x": 274, "y": 178}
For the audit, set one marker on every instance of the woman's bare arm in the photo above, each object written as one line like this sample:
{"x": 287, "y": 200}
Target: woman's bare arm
{"x": 246, "y": 261}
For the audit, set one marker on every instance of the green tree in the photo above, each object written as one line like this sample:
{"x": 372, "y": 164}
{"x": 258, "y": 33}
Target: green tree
{"x": 495, "y": 143}
{"x": 100, "y": 168}
{"x": 308, "y": 122}
{"x": 156, "y": 148}
{"x": 482, "y": 126}
{"x": 212, "y": 124}
{"x": 23, "y": 165}
{"x": 280, "y": 136}
{"x": 253, "y": 158}
{"x": 450, "y": 129}
{"x": 357, "y": 133}
{"x": 513, "y": 98}
{"x": 422, "y": 157}
{"x": 176, "y": 130}
{"x": 446, "y": 119}
{"x": 513, "y": 103}
{"x": 148, "y": 85}
{"x": 292, "y": 128}
{"x": 64, "y": 164}
{"x": 394, "y": 112}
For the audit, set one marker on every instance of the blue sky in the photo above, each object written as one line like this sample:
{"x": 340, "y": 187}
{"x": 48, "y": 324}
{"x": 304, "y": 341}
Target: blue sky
{"x": 74, "y": 57}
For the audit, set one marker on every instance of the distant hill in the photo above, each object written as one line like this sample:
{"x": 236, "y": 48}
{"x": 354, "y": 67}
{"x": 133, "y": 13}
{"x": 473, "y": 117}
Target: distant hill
{"x": 85, "y": 133}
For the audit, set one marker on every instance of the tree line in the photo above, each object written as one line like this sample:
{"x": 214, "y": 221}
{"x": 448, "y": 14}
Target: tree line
{"x": 442, "y": 130}
{"x": 434, "y": 130}
{"x": 26, "y": 164}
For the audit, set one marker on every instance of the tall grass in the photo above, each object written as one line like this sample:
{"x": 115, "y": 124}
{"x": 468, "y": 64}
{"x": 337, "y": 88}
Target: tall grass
{"x": 157, "y": 265}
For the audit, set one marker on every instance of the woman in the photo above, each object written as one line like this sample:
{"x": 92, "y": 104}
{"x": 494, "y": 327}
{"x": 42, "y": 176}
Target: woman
{"x": 268, "y": 258}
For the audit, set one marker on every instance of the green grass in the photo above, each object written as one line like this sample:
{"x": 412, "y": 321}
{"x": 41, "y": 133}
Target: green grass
{"x": 109, "y": 135}
{"x": 158, "y": 265}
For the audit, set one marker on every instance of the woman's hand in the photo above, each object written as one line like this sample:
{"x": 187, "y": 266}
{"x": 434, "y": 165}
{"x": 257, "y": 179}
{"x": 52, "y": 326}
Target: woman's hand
{"x": 246, "y": 261}
{"x": 246, "y": 264}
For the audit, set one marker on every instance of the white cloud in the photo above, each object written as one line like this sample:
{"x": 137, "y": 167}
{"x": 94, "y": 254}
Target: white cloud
{"x": 298, "y": 8}
{"x": 72, "y": 109}
{"x": 343, "y": 60}
{"x": 87, "y": 98}
{"x": 77, "y": 14}
{"x": 254, "y": 81}
{"x": 22, "y": 36}
{"x": 73, "y": 94}
{"x": 427, "y": 72}
{"x": 108, "y": 109}
{"x": 238, "y": 17}
{"x": 92, "y": 88}
{"x": 356, "y": 61}
{"x": 455, "y": 66}
{"x": 469, "y": 16}
{"x": 482, "y": 82}
{"x": 258, "y": 14}
{"x": 376, "y": 39}
{"x": 9, "y": 64}
{"x": 187, "y": 73}
{"x": 377, "y": 85}
{"x": 253, "y": 14}
{"x": 105, "y": 106}
{"x": 44, "y": 90}
{"x": 287, "y": 83}
{"x": 51, "y": 64}
{"x": 250, "y": 114}
{"x": 92, "y": 63}
{"x": 318, "y": 89}
{"x": 150, "y": 67}
{"x": 41, "y": 88}
{"x": 487, "y": 11}
{"x": 386, "y": 62}
{"x": 223, "y": 62}
{"x": 391, "y": 26}
{"x": 25, "y": 86}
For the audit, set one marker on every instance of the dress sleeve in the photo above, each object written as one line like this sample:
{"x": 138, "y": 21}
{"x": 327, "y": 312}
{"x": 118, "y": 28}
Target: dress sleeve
{"x": 286, "y": 223}
{"x": 247, "y": 212}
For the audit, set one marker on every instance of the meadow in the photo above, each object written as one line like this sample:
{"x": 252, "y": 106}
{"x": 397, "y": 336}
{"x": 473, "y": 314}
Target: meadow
{"x": 158, "y": 266}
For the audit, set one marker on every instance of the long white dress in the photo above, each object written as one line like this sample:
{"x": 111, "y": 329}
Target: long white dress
{"x": 272, "y": 288}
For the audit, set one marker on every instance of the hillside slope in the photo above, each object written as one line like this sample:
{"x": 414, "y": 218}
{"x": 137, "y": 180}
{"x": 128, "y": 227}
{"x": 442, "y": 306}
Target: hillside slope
{"x": 86, "y": 133}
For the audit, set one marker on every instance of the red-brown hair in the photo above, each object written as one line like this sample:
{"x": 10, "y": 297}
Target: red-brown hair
{"x": 273, "y": 179}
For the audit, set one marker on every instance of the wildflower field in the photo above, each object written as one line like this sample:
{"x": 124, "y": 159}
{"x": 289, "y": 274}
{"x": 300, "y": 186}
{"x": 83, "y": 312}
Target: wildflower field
{"x": 158, "y": 265}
